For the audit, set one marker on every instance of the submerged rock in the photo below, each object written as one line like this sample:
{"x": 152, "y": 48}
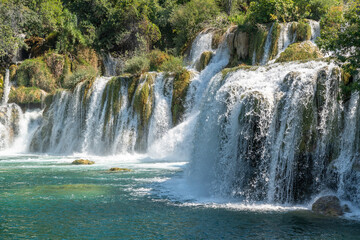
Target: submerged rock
{"x": 83, "y": 162}
{"x": 328, "y": 206}
{"x": 119, "y": 169}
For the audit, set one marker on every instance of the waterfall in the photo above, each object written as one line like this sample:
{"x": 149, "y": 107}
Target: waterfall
{"x": 111, "y": 65}
{"x": 250, "y": 133}
{"x": 202, "y": 43}
{"x": 315, "y": 30}
{"x": 7, "y": 87}
{"x": 267, "y": 46}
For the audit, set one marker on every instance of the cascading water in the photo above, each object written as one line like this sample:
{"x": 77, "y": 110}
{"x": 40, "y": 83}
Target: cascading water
{"x": 6, "y": 88}
{"x": 254, "y": 134}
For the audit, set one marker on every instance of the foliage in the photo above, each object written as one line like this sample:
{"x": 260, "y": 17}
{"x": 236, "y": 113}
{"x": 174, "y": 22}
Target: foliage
{"x": 82, "y": 74}
{"x": 137, "y": 65}
{"x": 157, "y": 58}
{"x": 303, "y": 31}
{"x": 340, "y": 33}
{"x": 190, "y": 18}
{"x": 173, "y": 65}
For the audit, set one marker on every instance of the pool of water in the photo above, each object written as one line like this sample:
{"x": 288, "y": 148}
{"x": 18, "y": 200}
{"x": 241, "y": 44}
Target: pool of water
{"x": 45, "y": 197}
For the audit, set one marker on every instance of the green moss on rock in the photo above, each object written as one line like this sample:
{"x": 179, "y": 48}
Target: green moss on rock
{"x": 300, "y": 51}
{"x": 119, "y": 169}
{"x": 83, "y": 162}
{"x": 144, "y": 98}
{"x": 181, "y": 84}
{"x": 275, "y": 34}
{"x": 26, "y": 95}
{"x": 35, "y": 73}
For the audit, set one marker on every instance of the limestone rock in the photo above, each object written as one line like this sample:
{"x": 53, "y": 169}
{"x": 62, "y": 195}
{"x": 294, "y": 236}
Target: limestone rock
{"x": 300, "y": 51}
{"x": 328, "y": 206}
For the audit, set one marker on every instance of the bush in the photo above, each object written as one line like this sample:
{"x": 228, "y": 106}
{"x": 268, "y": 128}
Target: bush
{"x": 188, "y": 19}
{"x": 82, "y": 74}
{"x": 157, "y": 58}
{"x": 137, "y": 65}
{"x": 35, "y": 73}
{"x": 264, "y": 11}
{"x": 174, "y": 64}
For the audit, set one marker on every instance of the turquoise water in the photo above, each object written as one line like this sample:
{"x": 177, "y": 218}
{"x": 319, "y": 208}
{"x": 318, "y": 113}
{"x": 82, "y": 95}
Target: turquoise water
{"x": 45, "y": 197}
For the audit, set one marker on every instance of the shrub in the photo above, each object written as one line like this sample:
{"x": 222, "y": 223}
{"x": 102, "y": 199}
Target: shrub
{"x": 303, "y": 31}
{"x": 157, "y": 58}
{"x": 188, "y": 19}
{"x": 82, "y": 74}
{"x": 174, "y": 64}
{"x": 137, "y": 65}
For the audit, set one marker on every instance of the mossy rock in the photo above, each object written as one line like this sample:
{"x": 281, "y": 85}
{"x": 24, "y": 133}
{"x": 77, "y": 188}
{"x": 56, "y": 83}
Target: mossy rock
{"x": 119, "y": 169}
{"x": 275, "y": 35}
{"x": 1, "y": 81}
{"x": 218, "y": 37}
{"x": 180, "y": 87}
{"x": 35, "y": 73}
{"x": 83, "y": 162}
{"x": 26, "y": 95}
{"x": 300, "y": 51}
{"x": 13, "y": 69}
{"x": 143, "y": 99}
{"x": 204, "y": 60}
{"x": 56, "y": 63}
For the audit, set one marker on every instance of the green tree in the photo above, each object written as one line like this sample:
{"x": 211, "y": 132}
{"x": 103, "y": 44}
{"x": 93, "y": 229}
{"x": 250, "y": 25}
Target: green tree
{"x": 190, "y": 18}
{"x": 341, "y": 33}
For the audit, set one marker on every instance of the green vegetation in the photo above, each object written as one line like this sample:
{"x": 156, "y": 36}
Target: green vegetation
{"x": 303, "y": 31}
{"x": 143, "y": 101}
{"x": 300, "y": 51}
{"x": 26, "y": 95}
{"x": 35, "y": 73}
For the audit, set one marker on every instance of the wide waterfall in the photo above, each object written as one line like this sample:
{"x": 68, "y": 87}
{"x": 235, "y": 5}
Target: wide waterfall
{"x": 276, "y": 133}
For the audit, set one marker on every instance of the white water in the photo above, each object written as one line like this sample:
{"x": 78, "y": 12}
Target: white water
{"x": 6, "y": 88}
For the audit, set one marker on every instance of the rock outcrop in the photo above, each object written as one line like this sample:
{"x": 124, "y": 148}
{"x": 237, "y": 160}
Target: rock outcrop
{"x": 328, "y": 206}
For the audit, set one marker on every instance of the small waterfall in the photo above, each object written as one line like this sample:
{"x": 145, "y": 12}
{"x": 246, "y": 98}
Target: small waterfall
{"x": 7, "y": 87}
{"x": 112, "y": 65}
{"x": 315, "y": 30}
{"x": 10, "y": 117}
{"x": 286, "y": 38}
{"x": 202, "y": 43}
{"x": 267, "y": 46}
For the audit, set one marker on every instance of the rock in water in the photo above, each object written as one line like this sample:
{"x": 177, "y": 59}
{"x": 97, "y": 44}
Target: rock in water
{"x": 328, "y": 206}
{"x": 83, "y": 162}
{"x": 119, "y": 170}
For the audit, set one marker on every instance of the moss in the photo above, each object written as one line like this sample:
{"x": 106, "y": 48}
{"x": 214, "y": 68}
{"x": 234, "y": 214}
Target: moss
{"x": 134, "y": 82}
{"x": 204, "y": 60}
{"x": 1, "y": 81}
{"x": 300, "y": 51}
{"x": 180, "y": 87}
{"x": 112, "y": 95}
{"x": 257, "y": 43}
{"x": 143, "y": 99}
{"x": 303, "y": 31}
{"x": 226, "y": 71}
{"x": 88, "y": 57}
{"x": 275, "y": 34}
{"x": 119, "y": 169}
{"x": 83, "y": 162}
{"x": 35, "y": 73}
{"x": 25, "y": 95}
